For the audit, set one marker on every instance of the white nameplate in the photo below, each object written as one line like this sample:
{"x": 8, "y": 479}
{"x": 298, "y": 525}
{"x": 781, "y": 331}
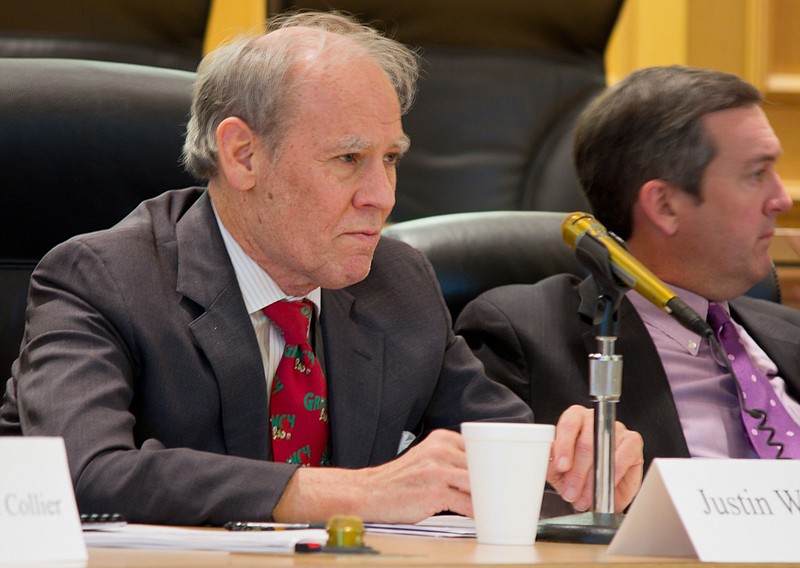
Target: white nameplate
{"x": 715, "y": 510}
{"x": 39, "y": 520}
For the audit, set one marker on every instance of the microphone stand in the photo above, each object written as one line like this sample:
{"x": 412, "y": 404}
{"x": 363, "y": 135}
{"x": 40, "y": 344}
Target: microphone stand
{"x": 605, "y": 385}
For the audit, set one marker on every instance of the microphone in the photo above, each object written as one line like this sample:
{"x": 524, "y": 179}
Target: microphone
{"x": 630, "y": 271}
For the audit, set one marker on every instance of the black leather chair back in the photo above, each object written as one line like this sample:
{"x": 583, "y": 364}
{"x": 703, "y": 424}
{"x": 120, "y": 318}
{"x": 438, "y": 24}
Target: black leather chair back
{"x": 81, "y": 144}
{"x": 161, "y": 33}
{"x": 492, "y": 130}
{"x": 474, "y": 252}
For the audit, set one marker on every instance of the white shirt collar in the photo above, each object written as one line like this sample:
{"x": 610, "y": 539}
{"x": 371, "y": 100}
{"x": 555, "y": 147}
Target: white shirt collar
{"x": 661, "y": 320}
{"x": 257, "y": 287}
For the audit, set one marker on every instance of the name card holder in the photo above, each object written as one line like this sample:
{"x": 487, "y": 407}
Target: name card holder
{"x": 39, "y": 519}
{"x": 717, "y": 510}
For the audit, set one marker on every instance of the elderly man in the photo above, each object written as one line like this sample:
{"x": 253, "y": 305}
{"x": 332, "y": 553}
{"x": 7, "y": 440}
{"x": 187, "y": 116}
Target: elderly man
{"x": 199, "y": 352}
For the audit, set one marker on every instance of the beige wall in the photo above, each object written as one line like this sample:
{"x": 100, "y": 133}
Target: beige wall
{"x": 228, "y": 19}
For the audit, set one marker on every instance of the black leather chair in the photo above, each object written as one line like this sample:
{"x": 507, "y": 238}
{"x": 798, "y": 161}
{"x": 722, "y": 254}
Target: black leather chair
{"x": 81, "y": 144}
{"x": 502, "y": 84}
{"x": 474, "y": 252}
{"x": 160, "y": 33}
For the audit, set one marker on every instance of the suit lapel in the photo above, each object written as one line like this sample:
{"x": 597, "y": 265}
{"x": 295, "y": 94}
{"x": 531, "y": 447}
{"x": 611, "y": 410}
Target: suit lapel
{"x": 777, "y": 337}
{"x": 354, "y": 369}
{"x": 223, "y": 331}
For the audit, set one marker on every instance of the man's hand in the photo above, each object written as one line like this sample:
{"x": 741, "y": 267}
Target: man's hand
{"x": 571, "y": 471}
{"x": 431, "y": 477}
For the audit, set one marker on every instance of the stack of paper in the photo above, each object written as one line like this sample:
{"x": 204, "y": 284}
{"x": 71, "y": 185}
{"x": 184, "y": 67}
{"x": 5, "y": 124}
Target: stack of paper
{"x": 440, "y": 525}
{"x": 151, "y": 536}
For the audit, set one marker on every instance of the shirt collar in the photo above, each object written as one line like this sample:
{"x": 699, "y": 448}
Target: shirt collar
{"x": 258, "y": 288}
{"x": 661, "y": 320}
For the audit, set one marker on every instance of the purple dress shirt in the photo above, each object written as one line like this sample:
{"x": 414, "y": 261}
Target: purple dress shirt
{"x": 705, "y": 395}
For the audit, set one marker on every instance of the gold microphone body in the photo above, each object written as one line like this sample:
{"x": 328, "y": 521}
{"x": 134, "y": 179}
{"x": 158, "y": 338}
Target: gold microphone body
{"x": 630, "y": 271}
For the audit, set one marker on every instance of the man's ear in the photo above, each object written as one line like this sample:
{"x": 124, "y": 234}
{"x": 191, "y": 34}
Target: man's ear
{"x": 236, "y": 143}
{"x": 658, "y": 203}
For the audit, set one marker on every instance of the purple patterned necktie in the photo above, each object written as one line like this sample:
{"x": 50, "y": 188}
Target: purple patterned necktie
{"x": 757, "y": 398}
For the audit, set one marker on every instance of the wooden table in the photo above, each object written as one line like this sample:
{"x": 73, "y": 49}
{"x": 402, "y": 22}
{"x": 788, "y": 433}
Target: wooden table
{"x": 396, "y": 550}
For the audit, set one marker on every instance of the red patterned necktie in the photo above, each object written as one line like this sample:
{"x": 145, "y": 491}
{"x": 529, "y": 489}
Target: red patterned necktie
{"x": 298, "y": 404}
{"x": 771, "y": 430}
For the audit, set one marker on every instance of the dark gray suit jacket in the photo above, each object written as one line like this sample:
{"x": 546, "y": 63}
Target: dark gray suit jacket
{"x": 138, "y": 350}
{"x": 535, "y": 339}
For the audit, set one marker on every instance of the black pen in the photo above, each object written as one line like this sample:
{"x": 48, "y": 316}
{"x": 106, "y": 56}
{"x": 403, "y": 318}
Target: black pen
{"x": 250, "y": 526}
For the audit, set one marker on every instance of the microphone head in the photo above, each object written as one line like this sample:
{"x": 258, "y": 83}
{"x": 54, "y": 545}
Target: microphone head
{"x": 576, "y": 225}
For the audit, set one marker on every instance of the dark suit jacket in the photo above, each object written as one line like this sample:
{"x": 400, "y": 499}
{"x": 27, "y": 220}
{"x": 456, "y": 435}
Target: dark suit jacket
{"x": 536, "y": 340}
{"x": 139, "y": 352}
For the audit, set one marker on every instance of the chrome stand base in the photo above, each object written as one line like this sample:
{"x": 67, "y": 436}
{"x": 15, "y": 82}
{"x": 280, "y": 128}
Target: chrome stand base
{"x": 586, "y": 528}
